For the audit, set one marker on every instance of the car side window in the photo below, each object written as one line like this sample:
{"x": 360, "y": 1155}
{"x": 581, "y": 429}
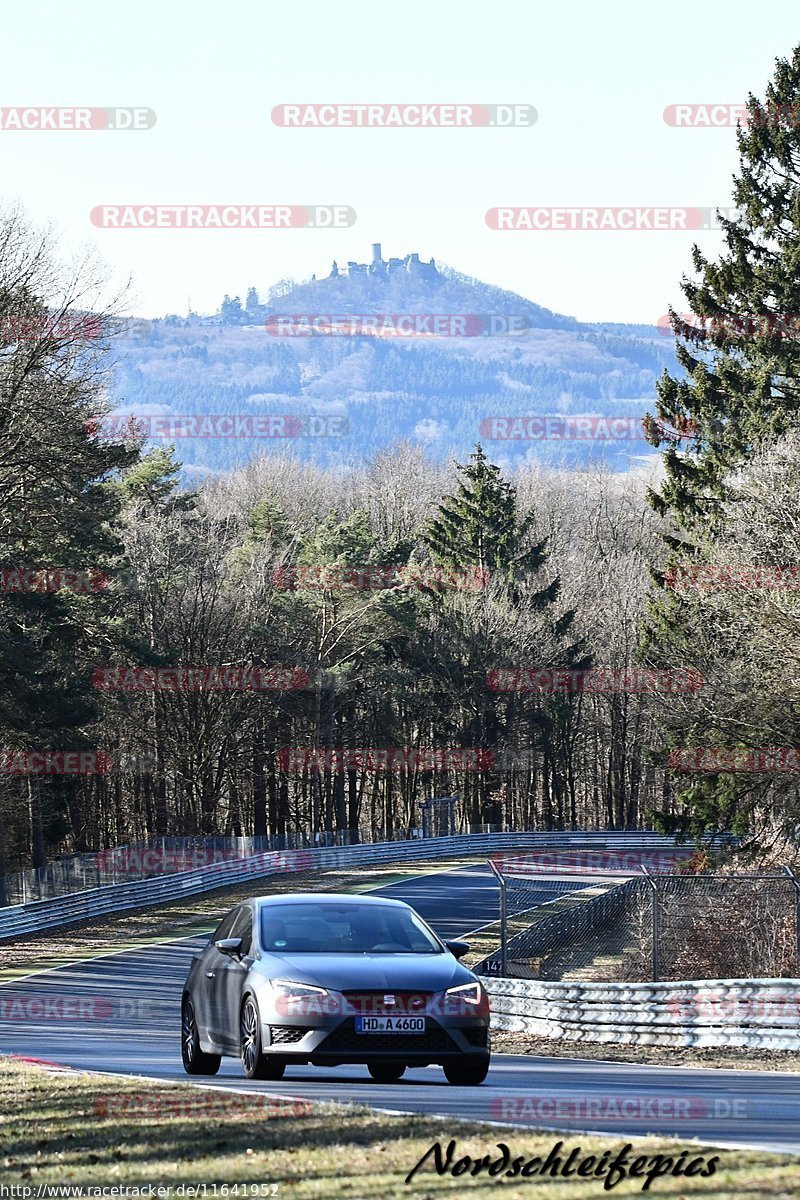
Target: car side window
{"x": 225, "y": 926}
{"x": 243, "y": 928}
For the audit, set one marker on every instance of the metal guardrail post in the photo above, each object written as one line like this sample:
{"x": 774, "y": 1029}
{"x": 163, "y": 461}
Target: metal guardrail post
{"x": 503, "y": 921}
{"x": 654, "y": 923}
{"x": 796, "y": 883}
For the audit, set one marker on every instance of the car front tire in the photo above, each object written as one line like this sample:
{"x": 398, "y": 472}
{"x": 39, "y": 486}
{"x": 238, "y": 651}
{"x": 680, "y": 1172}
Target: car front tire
{"x": 386, "y": 1072}
{"x": 195, "y": 1059}
{"x": 467, "y": 1072}
{"x": 256, "y": 1064}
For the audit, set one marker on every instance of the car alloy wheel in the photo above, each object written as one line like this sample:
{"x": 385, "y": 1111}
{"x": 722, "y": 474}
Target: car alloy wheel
{"x": 195, "y": 1059}
{"x": 256, "y": 1064}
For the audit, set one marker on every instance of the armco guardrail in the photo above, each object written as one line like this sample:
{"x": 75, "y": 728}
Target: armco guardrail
{"x": 753, "y": 1013}
{"x": 65, "y": 910}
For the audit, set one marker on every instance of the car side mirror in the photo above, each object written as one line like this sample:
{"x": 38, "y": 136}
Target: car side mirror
{"x": 458, "y": 949}
{"x": 229, "y": 945}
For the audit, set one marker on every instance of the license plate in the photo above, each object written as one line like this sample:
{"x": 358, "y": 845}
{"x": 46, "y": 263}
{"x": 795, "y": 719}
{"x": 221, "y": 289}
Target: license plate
{"x": 390, "y": 1024}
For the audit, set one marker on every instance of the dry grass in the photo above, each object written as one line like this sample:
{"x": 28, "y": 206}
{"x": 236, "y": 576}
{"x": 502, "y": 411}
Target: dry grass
{"x": 88, "y": 1130}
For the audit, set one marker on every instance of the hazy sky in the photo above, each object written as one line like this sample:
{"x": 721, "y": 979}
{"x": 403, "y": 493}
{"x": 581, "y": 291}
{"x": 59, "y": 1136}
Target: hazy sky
{"x": 599, "y": 76}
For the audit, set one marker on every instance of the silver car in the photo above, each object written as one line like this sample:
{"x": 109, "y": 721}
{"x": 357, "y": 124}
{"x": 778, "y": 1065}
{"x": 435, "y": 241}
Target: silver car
{"x": 330, "y": 979}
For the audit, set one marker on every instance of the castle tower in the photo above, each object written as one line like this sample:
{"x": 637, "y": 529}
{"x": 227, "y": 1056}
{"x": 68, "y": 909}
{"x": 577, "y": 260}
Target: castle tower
{"x": 334, "y": 271}
{"x": 376, "y": 252}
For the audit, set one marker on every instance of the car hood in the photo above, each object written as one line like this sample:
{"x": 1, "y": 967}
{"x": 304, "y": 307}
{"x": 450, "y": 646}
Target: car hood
{"x": 356, "y": 972}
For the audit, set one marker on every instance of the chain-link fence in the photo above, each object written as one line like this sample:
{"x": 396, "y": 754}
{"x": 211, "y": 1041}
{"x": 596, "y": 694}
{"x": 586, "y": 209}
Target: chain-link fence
{"x": 714, "y": 926}
{"x": 647, "y": 927}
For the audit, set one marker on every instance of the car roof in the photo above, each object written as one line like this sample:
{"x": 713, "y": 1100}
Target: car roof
{"x": 322, "y": 897}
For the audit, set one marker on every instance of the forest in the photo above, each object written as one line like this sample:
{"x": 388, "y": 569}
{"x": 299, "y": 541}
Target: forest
{"x": 289, "y": 647}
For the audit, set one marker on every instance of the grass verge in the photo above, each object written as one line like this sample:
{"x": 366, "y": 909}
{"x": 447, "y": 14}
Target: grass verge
{"x": 89, "y": 1130}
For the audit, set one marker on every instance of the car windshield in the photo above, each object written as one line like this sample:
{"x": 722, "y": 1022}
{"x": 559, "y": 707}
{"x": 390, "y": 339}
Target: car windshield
{"x": 346, "y": 928}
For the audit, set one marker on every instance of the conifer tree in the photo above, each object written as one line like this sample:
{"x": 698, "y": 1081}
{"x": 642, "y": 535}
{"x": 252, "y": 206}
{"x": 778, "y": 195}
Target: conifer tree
{"x": 739, "y": 349}
{"x": 479, "y": 526}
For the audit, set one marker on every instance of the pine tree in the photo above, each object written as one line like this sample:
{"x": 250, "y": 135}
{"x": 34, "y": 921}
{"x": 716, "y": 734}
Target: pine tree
{"x": 740, "y": 351}
{"x": 58, "y": 511}
{"x": 479, "y": 526}
{"x": 231, "y": 310}
{"x": 741, "y": 389}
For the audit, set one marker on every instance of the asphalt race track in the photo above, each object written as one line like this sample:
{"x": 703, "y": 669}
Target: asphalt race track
{"x": 462, "y": 900}
{"x": 120, "y": 1014}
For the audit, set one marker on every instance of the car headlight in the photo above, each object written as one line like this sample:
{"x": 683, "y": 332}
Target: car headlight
{"x": 466, "y": 1000}
{"x": 302, "y": 999}
{"x": 300, "y": 991}
{"x": 470, "y": 993}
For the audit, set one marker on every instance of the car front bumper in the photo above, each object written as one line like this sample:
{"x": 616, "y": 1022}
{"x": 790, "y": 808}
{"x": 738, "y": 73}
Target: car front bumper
{"x": 336, "y": 1041}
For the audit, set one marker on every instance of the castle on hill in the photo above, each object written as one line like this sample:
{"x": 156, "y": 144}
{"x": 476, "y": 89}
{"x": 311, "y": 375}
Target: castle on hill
{"x": 382, "y": 266}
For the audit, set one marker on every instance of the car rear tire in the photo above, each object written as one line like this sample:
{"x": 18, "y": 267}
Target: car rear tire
{"x": 467, "y": 1072}
{"x": 386, "y": 1072}
{"x": 195, "y": 1059}
{"x": 256, "y": 1064}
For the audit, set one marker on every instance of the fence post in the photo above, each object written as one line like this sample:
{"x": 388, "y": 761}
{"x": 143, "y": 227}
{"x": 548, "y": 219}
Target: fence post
{"x": 503, "y": 922}
{"x": 654, "y": 923}
{"x": 796, "y": 883}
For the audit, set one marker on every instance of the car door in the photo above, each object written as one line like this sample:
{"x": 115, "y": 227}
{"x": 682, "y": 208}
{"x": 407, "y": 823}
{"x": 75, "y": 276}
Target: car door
{"x": 230, "y": 980}
{"x": 206, "y": 999}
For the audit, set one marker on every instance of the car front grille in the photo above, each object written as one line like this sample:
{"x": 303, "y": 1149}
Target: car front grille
{"x": 288, "y": 1033}
{"x": 389, "y": 1003}
{"x": 344, "y": 1037}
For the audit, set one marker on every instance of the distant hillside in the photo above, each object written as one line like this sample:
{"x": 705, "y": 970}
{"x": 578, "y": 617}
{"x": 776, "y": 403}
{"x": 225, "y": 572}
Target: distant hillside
{"x": 431, "y": 389}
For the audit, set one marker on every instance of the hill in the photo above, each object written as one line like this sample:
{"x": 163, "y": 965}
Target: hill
{"x": 406, "y": 350}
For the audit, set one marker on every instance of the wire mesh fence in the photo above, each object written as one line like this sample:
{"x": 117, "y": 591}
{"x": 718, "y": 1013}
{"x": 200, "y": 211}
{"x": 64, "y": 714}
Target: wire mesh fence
{"x": 647, "y": 927}
{"x": 715, "y": 926}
